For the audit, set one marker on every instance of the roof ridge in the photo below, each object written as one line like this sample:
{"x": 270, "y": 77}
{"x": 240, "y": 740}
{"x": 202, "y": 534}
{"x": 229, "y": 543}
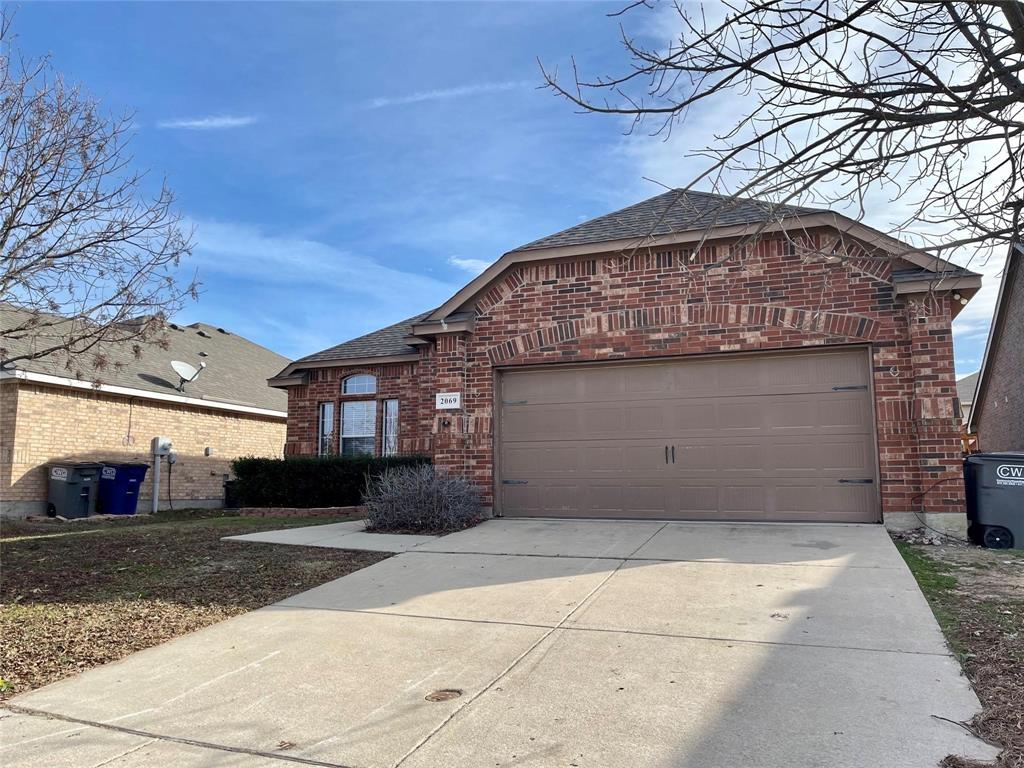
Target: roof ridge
{"x": 659, "y": 215}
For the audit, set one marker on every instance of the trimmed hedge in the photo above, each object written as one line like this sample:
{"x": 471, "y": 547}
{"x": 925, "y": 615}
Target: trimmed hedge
{"x": 311, "y": 481}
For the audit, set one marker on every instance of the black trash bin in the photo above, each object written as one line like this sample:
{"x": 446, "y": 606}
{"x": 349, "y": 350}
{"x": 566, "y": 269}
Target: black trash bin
{"x": 995, "y": 499}
{"x": 72, "y": 487}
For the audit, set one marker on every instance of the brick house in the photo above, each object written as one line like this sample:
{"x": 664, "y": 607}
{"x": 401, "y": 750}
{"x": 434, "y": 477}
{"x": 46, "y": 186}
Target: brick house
{"x": 688, "y": 357}
{"x": 997, "y": 415}
{"x": 49, "y": 412}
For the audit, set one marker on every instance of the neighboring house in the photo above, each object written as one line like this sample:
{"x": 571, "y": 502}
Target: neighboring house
{"x": 965, "y": 392}
{"x": 998, "y": 413}
{"x": 686, "y": 358}
{"x": 51, "y": 413}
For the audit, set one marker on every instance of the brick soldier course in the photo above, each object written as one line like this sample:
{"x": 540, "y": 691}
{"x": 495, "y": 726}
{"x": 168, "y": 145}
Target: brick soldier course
{"x": 676, "y": 276}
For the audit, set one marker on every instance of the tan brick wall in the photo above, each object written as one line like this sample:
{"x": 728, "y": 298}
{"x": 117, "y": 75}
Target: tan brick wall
{"x": 55, "y": 423}
{"x": 8, "y": 410}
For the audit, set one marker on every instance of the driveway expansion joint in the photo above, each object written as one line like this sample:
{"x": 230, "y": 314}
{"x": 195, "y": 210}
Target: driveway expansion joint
{"x": 561, "y": 627}
{"x": 32, "y": 712}
{"x": 631, "y": 559}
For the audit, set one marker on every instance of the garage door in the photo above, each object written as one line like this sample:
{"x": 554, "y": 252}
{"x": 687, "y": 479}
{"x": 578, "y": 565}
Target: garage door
{"x": 751, "y": 437}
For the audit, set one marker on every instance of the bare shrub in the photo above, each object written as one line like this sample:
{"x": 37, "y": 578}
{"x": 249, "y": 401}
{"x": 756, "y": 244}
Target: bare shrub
{"x": 421, "y": 499}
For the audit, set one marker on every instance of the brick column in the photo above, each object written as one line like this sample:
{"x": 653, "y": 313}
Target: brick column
{"x": 939, "y": 460}
{"x": 450, "y": 426}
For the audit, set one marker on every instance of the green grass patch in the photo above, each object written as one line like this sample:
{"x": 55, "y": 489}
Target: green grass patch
{"x": 937, "y": 583}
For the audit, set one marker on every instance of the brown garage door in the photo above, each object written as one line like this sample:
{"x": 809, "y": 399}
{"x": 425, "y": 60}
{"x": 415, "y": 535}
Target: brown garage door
{"x": 750, "y": 437}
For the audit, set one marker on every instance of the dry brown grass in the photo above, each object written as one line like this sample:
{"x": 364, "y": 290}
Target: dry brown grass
{"x": 76, "y": 596}
{"x": 978, "y": 596}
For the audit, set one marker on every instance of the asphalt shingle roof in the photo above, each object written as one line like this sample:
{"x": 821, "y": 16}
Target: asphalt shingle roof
{"x": 236, "y": 369}
{"x": 965, "y": 387}
{"x": 673, "y": 211}
{"x": 383, "y": 343}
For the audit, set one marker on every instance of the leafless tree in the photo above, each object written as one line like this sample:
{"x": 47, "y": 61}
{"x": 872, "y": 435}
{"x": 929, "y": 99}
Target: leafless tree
{"x": 87, "y": 258}
{"x": 835, "y": 100}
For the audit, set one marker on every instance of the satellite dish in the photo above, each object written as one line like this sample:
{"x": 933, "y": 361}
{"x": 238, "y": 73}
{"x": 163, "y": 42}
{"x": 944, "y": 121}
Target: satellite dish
{"x": 186, "y": 372}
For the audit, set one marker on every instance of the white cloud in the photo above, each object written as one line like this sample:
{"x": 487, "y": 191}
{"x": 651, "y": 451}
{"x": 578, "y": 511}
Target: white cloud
{"x": 475, "y": 266}
{"x": 209, "y": 123}
{"x": 448, "y": 93}
{"x": 299, "y": 295}
{"x": 245, "y": 251}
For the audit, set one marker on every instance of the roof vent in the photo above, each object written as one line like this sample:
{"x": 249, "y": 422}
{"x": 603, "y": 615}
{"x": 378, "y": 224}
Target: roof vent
{"x": 203, "y": 354}
{"x": 204, "y": 334}
{"x": 174, "y": 327}
{"x": 226, "y": 333}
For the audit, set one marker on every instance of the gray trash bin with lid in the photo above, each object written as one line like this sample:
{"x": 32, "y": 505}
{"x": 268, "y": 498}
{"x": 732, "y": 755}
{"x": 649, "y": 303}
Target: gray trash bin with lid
{"x": 72, "y": 488}
{"x": 995, "y": 499}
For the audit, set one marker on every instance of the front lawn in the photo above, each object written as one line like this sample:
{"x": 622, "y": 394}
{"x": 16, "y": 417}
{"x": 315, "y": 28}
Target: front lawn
{"x": 977, "y": 596}
{"x": 76, "y": 595}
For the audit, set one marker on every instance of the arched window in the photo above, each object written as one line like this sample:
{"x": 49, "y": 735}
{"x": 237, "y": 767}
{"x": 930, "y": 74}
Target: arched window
{"x": 360, "y": 384}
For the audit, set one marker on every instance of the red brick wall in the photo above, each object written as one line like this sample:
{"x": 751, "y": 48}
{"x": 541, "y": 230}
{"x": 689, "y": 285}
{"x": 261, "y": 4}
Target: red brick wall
{"x": 770, "y": 295}
{"x": 394, "y": 380}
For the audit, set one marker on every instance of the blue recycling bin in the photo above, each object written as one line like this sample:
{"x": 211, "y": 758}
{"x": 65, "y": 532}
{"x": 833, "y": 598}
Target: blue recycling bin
{"x": 119, "y": 488}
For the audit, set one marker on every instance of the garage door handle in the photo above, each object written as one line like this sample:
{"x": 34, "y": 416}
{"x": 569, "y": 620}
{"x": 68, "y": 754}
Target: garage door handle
{"x": 851, "y": 388}
{"x": 673, "y": 454}
{"x": 858, "y": 481}
{"x": 515, "y": 482}
{"x": 666, "y": 454}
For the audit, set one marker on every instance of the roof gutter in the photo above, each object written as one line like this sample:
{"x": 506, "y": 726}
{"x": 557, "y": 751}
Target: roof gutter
{"x": 994, "y": 331}
{"x": 111, "y": 389}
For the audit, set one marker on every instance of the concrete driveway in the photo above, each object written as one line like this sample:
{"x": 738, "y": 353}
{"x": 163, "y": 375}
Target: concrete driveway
{"x": 569, "y": 643}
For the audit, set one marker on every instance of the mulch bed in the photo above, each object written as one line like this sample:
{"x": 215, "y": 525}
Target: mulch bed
{"x": 978, "y": 597}
{"x": 74, "y": 597}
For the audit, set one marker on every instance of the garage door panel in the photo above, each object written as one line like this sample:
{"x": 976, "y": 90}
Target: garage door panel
{"x": 766, "y": 437}
{"x": 593, "y": 458}
{"x": 555, "y": 498}
{"x": 835, "y": 455}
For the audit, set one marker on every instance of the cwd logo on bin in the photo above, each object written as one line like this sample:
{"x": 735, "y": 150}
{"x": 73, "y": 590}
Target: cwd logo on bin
{"x": 1010, "y": 474}
{"x": 58, "y": 473}
{"x": 109, "y": 473}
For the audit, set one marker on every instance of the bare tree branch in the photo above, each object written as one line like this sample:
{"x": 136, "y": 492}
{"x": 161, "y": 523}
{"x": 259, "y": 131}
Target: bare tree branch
{"x": 836, "y": 100}
{"x": 87, "y": 259}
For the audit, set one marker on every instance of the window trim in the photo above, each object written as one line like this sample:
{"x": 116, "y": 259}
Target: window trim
{"x": 321, "y": 449}
{"x": 352, "y": 378}
{"x": 372, "y": 435}
{"x": 387, "y": 434}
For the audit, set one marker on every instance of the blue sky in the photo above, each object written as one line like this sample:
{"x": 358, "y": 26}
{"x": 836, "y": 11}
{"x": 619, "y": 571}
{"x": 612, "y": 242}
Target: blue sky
{"x": 348, "y": 165}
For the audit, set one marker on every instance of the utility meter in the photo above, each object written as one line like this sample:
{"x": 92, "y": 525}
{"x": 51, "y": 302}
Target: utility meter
{"x": 161, "y": 446}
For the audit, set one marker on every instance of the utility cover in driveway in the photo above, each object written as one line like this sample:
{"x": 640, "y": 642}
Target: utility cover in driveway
{"x": 749, "y": 437}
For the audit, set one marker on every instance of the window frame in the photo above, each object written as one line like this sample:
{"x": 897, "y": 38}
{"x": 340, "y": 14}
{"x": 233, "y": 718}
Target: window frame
{"x": 342, "y": 437}
{"x": 389, "y": 434}
{"x": 330, "y": 421}
{"x": 358, "y": 380}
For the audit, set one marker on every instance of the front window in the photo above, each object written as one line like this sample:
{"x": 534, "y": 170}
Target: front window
{"x": 361, "y": 384}
{"x": 358, "y": 427}
{"x": 325, "y": 431}
{"x": 389, "y": 442}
